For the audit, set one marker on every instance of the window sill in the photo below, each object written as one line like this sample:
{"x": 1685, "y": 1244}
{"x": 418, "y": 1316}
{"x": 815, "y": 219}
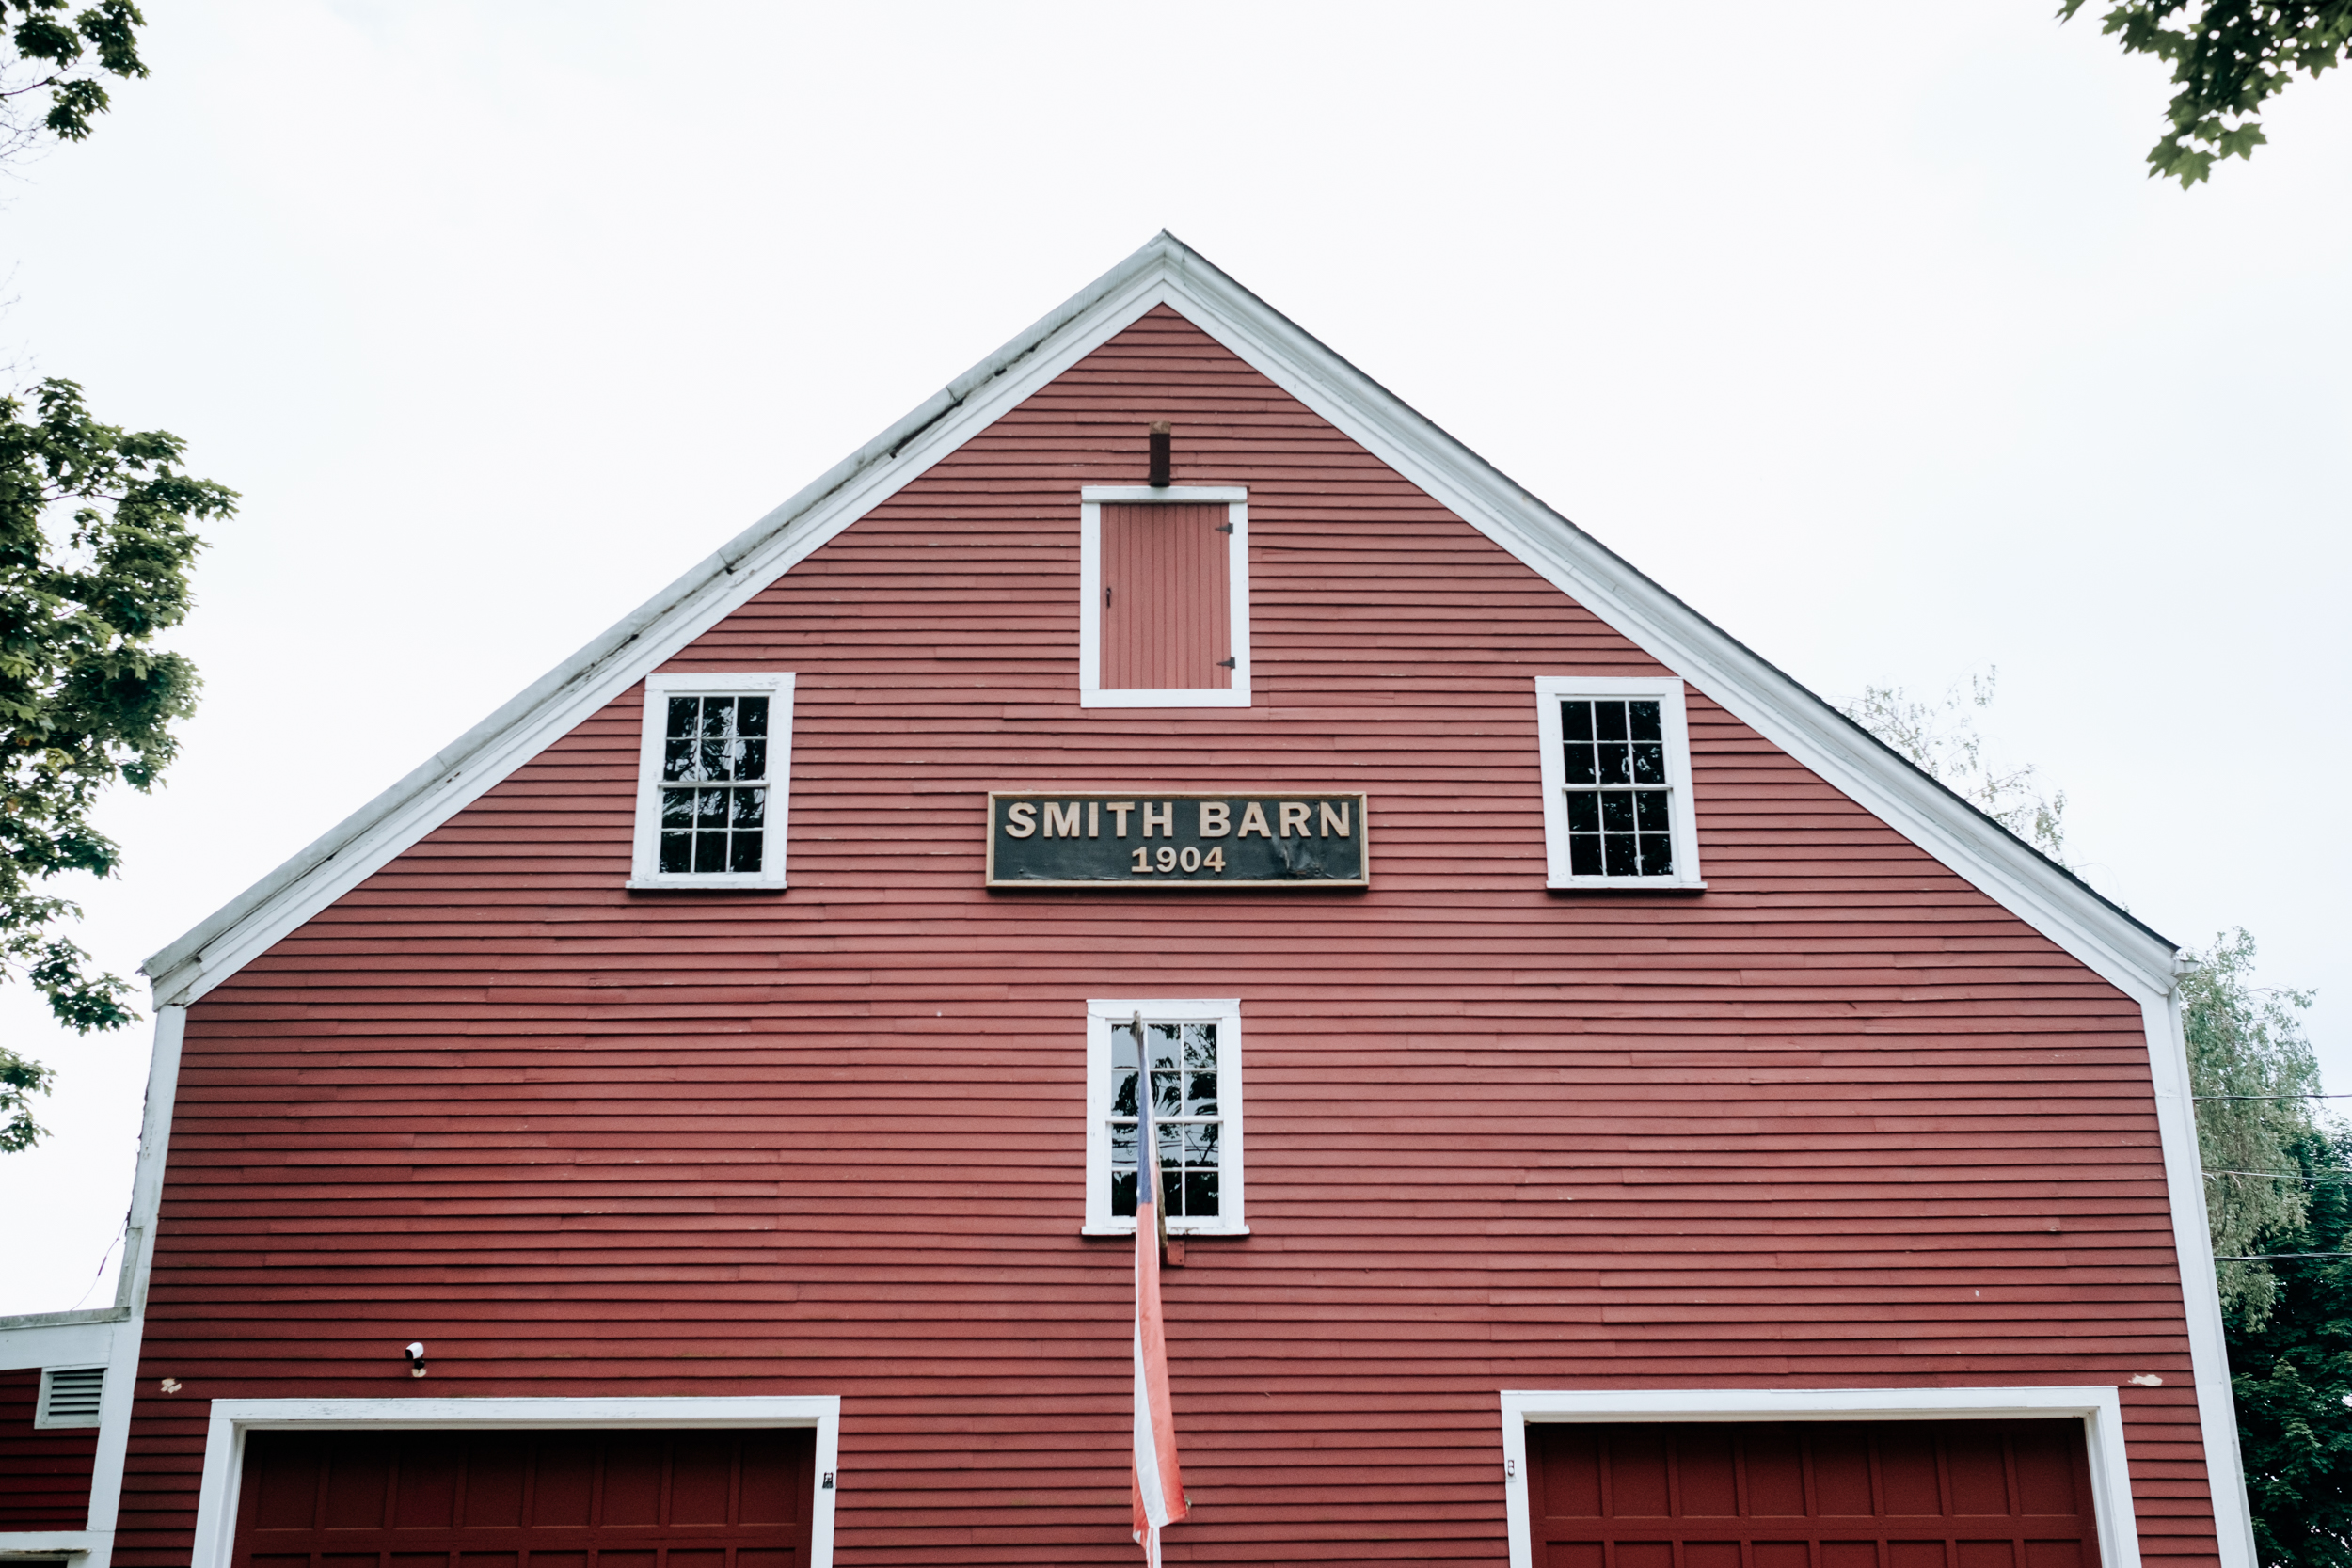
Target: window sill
{"x": 1206, "y": 696}
{"x": 1174, "y": 1232}
{"x": 703, "y": 884}
{"x": 1624, "y": 884}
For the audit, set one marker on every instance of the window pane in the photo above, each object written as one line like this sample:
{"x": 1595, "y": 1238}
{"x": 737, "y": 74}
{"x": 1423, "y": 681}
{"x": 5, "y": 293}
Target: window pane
{"x": 1619, "y": 847}
{"x": 718, "y": 717}
{"x": 1122, "y": 1047}
{"x": 1201, "y": 1144}
{"x": 1616, "y": 812}
{"x": 711, "y": 808}
{"x": 743, "y": 850}
{"x": 1171, "y": 1142}
{"x": 1650, "y": 763}
{"x": 1580, "y": 755}
{"x": 678, "y": 759}
{"x": 1166, "y": 1043}
{"x": 1657, "y": 855}
{"x": 1609, "y": 721}
{"x": 1583, "y": 813}
{"x": 1200, "y": 1093}
{"x": 1124, "y": 1135}
{"x": 1644, "y": 721}
{"x": 678, "y": 808}
{"x": 1200, "y": 1193}
{"x": 751, "y": 715}
{"x": 1171, "y": 1191}
{"x": 751, "y": 808}
{"x": 1584, "y": 855}
{"x": 1200, "y": 1045}
{"x": 677, "y": 851}
{"x": 1124, "y": 1092}
{"x": 1168, "y": 1091}
{"x": 1123, "y": 1193}
{"x": 750, "y": 759}
{"x": 1650, "y": 810}
{"x": 1615, "y": 767}
{"x": 710, "y": 852}
{"x": 716, "y": 763}
{"x": 1576, "y": 721}
{"x": 682, "y": 711}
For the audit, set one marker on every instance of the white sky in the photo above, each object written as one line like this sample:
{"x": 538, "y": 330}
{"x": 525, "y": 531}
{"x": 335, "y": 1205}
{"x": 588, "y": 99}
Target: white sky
{"x": 1857, "y": 325}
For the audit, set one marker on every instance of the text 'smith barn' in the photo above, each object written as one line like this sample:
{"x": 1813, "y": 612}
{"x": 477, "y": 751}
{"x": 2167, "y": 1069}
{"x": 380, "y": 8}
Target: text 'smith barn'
{"x": 1611, "y": 1112}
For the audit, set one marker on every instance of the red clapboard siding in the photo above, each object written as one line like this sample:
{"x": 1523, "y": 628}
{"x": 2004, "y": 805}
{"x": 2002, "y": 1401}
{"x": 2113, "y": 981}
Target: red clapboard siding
{"x": 44, "y": 1471}
{"x": 1167, "y": 608}
{"x": 1839, "y": 1120}
{"x": 1811, "y": 1494}
{"x": 526, "y": 1499}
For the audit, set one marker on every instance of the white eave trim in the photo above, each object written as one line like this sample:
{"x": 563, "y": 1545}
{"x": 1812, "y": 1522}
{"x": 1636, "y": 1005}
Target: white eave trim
{"x": 1164, "y": 271}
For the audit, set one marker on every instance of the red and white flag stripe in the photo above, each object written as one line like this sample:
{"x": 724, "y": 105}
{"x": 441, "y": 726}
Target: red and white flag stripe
{"x": 1159, "y": 1484}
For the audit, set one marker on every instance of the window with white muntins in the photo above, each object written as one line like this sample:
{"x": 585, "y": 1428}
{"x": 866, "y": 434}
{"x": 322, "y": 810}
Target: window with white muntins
{"x": 1193, "y": 1049}
{"x": 713, "y": 780}
{"x": 1616, "y": 779}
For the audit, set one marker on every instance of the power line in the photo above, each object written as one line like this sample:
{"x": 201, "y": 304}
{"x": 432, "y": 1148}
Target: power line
{"x": 2265, "y": 1257}
{"x": 2285, "y": 1175}
{"x": 2271, "y": 1097}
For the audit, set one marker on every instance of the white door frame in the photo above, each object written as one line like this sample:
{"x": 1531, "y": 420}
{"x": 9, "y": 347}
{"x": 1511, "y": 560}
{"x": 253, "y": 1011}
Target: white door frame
{"x": 224, "y": 1441}
{"x": 2096, "y": 1406}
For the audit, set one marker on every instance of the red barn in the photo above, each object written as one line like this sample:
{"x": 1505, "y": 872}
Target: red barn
{"x": 1614, "y": 1114}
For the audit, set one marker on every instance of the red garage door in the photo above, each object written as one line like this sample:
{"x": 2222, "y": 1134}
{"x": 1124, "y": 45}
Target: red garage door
{"x": 1811, "y": 1494}
{"x": 526, "y": 1499}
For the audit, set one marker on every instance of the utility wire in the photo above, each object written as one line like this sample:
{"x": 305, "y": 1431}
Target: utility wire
{"x": 2286, "y": 1176}
{"x": 2265, "y": 1257}
{"x": 2271, "y": 1097}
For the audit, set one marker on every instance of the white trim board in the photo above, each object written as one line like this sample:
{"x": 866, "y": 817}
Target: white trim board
{"x": 224, "y": 1439}
{"x": 1091, "y": 500}
{"x": 2096, "y": 1406}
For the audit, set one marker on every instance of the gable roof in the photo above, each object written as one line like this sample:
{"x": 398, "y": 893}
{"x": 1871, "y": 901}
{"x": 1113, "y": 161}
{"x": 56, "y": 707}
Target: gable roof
{"x": 1167, "y": 271}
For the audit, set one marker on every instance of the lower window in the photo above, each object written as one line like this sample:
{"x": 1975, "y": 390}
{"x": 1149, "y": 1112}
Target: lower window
{"x": 1186, "y": 1054}
{"x": 1975, "y": 1494}
{"x": 567, "y": 1498}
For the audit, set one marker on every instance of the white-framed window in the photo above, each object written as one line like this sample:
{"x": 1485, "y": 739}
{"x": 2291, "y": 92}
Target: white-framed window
{"x": 713, "y": 781}
{"x": 1163, "y": 596}
{"x": 1194, "y": 1046}
{"x": 1616, "y": 776}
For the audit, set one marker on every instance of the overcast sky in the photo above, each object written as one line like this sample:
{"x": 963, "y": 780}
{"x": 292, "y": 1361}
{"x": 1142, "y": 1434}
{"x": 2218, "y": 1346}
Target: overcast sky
{"x": 1858, "y": 326}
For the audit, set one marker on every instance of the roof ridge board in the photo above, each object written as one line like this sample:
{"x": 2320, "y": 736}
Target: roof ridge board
{"x": 1628, "y": 584}
{"x": 617, "y": 639}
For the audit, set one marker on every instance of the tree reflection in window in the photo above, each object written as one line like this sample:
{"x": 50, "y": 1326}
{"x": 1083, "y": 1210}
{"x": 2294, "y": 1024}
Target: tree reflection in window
{"x": 1183, "y": 1115}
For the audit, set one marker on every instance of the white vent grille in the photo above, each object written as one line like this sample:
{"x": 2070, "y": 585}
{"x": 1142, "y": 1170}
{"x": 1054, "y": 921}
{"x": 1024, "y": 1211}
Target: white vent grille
{"x": 69, "y": 1395}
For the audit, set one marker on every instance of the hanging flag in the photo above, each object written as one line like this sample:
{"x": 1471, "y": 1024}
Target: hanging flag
{"x": 1160, "y": 1486}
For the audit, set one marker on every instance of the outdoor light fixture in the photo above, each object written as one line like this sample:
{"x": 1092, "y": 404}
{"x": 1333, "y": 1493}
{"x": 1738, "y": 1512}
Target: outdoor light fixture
{"x": 415, "y": 1353}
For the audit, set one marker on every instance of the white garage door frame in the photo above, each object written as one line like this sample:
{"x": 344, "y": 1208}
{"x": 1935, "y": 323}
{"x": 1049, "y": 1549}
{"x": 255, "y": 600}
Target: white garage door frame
{"x": 2096, "y": 1406}
{"x": 224, "y": 1440}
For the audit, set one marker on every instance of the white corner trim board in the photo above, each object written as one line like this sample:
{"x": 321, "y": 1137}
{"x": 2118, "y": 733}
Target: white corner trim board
{"x": 224, "y": 1439}
{"x": 2096, "y": 1406}
{"x": 1091, "y": 500}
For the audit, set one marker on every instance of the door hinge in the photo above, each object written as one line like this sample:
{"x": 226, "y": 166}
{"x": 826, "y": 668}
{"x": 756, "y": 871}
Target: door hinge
{"x": 1226, "y": 664}
{"x": 1225, "y": 527}
{"x": 1106, "y": 595}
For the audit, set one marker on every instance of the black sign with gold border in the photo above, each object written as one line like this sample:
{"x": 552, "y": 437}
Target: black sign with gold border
{"x": 1178, "y": 839}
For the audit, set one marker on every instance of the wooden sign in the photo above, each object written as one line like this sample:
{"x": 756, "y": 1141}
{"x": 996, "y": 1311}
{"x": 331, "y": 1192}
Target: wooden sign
{"x": 1166, "y": 839}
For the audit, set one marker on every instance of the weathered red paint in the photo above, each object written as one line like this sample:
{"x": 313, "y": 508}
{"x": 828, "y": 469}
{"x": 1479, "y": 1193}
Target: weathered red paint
{"x": 44, "y": 1471}
{"x": 1841, "y": 1119}
{"x": 1166, "y": 605}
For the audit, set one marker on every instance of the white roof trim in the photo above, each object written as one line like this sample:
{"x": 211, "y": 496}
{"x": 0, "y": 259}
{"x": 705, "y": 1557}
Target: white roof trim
{"x": 1166, "y": 271}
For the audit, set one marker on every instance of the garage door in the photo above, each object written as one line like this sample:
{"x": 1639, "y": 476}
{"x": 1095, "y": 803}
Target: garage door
{"x": 526, "y": 1499}
{"x": 1811, "y": 1494}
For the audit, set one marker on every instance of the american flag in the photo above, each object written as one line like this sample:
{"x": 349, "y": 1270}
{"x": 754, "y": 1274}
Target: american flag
{"x": 1159, "y": 1484}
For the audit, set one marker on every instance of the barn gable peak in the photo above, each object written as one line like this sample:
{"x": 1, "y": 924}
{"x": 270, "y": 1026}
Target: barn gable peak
{"x": 1165, "y": 272}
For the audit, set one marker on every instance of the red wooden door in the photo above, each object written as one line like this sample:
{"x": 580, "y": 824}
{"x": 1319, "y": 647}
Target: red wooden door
{"x": 1811, "y": 1494}
{"x": 1166, "y": 605}
{"x": 569, "y": 1498}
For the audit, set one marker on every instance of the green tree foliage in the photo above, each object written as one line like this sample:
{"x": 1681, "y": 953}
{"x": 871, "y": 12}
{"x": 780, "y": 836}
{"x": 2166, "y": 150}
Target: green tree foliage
{"x": 2253, "y": 1074}
{"x": 2292, "y": 1373}
{"x": 1941, "y": 739}
{"x": 95, "y": 545}
{"x": 59, "y": 62}
{"x": 2228, "y": 58}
